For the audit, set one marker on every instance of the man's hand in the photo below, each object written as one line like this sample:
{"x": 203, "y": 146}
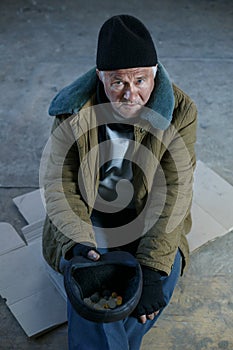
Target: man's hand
{"x": 86, "y": 251}
{"x": 152, "y": 299}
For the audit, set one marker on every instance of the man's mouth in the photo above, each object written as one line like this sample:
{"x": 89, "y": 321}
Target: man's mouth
{"x": 131, "y": 105}
{"x": 127, "y": 104}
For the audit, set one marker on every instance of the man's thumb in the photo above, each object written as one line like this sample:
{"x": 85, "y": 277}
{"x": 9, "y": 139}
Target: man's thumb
{"x": 93, "y": 255}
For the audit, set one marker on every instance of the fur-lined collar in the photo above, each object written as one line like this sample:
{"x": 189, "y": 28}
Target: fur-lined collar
{"x": 72, "y": 98}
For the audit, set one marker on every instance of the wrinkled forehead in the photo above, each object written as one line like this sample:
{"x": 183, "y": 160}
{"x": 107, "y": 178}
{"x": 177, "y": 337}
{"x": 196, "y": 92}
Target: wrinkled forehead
{"x": 131, "y": 72}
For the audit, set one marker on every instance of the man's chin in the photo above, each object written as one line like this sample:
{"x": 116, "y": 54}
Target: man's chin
{"x": 128, "y": 111}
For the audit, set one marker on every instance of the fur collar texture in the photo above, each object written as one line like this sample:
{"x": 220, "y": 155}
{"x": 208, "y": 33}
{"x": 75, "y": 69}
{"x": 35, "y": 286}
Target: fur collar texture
{"x": 160, "y": 106}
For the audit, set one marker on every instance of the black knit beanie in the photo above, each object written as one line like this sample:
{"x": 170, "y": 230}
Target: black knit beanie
{"x": 124, "y": 42}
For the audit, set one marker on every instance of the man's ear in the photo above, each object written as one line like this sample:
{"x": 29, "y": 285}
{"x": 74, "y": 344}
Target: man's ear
{"x": 98, "y": 74}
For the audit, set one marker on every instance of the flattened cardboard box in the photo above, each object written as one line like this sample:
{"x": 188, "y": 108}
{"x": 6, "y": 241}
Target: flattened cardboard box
{"x": 35, "y": 293}
{"x": 25, "y": 283}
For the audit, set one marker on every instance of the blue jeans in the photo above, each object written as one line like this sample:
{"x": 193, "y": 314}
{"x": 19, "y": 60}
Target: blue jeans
{"x": 126, "y": 334}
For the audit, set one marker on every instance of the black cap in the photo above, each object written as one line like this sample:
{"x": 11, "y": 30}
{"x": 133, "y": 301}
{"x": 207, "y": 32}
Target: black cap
{"x": 124, "y": 42}
{"x": 116, "y": 270}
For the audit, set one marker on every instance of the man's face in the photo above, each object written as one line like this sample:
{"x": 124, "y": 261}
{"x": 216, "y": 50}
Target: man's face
{"x": 128, "y": 90}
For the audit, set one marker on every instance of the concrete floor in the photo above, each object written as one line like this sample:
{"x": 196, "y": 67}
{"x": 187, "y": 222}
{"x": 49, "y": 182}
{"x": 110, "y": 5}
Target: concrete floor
{"x": 44, "y": 46}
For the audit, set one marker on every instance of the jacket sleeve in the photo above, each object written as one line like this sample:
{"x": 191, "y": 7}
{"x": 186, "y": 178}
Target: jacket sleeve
{"x": 158, "y": 246}
{"x": 67, "y": 212}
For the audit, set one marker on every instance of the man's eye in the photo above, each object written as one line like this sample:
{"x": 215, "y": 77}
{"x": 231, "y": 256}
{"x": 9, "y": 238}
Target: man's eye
{"x": 140, "y": 81}
{"x": 118, "y": 84}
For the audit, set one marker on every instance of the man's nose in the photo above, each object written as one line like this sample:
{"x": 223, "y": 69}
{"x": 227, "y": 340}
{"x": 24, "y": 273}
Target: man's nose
{"x": 130, "y": 93}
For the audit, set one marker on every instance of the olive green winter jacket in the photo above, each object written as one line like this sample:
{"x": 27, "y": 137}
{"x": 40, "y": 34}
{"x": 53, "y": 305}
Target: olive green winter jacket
{"x": 163, "y": 190}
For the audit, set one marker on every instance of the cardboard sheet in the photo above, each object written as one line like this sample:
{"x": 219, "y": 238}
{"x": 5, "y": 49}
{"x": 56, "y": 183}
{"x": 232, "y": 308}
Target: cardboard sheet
{"x": 31, "y": 206}
{"x": 35, "y": 293}
{"x": 204, "y": 229}
{"x": 214, "y": 195}
{"x": 29, "y": 291}
{"x": 9, "y": 239}
{"x": 212, "y": 207}
{"x": 33, "y": 231}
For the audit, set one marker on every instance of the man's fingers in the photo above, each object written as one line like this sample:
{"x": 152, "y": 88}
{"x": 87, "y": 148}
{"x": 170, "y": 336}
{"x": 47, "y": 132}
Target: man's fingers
{"x": 151, "y": 316}
{"x": 93, "y": 255}
{"x": 144, "y": 318}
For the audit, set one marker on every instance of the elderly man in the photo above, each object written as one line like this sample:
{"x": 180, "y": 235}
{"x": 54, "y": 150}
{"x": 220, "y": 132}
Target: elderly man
{"x": 149, "y": 125}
